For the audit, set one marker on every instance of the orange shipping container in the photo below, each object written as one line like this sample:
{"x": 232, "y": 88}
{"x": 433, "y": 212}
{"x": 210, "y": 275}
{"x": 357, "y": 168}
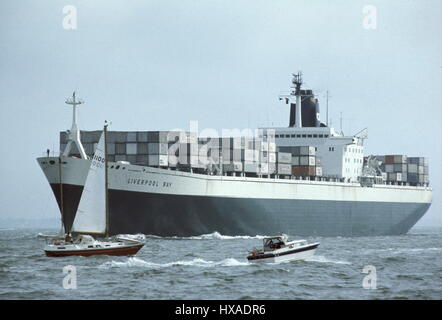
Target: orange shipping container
{"x": 303, "y": 171}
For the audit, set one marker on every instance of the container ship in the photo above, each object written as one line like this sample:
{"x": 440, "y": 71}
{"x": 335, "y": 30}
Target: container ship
{"x": 306, "y": 179}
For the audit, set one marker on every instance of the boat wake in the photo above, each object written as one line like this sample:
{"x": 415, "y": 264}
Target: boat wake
{"x": 403, "y": 250}
{"x": 325, "y": 260}
{"x": 210, "y": 236}
{"x": 138, "y": 236}
{"x": 198, "y": 262}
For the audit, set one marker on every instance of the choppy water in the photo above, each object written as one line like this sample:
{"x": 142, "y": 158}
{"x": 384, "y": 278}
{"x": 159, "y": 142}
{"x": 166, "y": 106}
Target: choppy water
{"x": 214, "y": 267}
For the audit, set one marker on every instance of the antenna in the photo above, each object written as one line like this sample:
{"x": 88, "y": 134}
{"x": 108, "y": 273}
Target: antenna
{"x": 297, "y": 82}
{"x": 327, "y": 96}
{"x": 340, "y": 121}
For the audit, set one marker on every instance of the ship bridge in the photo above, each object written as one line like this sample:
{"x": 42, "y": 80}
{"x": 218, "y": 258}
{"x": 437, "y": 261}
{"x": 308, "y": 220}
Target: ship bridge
{"x": 341, "y": 156}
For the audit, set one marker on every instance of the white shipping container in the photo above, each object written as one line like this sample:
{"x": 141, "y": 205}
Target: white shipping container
{"x": 400, "y": 159}
{"x": 272, "y": 157}
{"x": 159, "y": 160}
{"x": 188, "y": 149}
{"x": 231, "y": 143}
{"x": 256, "y": 156}
{"x": 284, "y": 157}
{"x": 232, "y": 167}
{"x": 172, "y": 160}
{"x": 250, "y": 167}
{"x": 395, "y": 176}
{"x": 272, "y": 147}
{"x": 307, "y": 161}
{"x": 264, "y": 168}
{"x": 249, "y": 155}
{"x": 202, "y": 162}
{"x": 173, "y": 148}
{"x": 319, "y": 171}
{"x": 307, "y": 151}
{"x": 187, "y": 160}
{"x": 265, "y": 146}
{"x": 284, "y": 169}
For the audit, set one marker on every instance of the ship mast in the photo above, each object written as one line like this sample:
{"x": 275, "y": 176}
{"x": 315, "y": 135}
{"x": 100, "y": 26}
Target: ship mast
{"x": 74, "y": 133}
{"x": 61, "y": 196}
{"x": 106, "y": 184}
{"x": 294, "y": 98}
{"x": 297, "y": 82}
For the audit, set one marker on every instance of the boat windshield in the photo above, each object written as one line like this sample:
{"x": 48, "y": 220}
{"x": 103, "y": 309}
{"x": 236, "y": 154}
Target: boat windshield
{"x": 273, "y": 243}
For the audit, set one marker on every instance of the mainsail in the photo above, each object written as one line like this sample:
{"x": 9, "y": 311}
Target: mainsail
{"x": 91, "y": 212}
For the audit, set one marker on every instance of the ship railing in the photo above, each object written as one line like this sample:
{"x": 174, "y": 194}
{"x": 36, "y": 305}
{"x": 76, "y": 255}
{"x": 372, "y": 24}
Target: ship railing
{"x": 51, "y": 153}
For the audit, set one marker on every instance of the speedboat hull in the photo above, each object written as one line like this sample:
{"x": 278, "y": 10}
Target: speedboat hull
{"x": 301, "y": 253}
{"x": 75, "y": 250}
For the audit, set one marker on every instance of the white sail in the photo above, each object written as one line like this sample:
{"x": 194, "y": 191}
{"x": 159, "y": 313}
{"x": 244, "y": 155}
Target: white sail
{"x": 91, "y": 212}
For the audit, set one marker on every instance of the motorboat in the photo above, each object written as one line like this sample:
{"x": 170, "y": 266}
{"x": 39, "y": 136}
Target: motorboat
{"x": 279, "y": 249}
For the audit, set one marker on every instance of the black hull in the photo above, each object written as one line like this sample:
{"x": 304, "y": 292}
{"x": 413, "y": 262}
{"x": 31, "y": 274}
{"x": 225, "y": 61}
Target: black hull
{"x": 178, "y": 215}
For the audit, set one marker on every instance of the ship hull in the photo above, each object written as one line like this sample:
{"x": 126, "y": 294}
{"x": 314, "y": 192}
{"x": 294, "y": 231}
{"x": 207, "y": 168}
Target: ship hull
{"x": 164, "y": 203}
{"x": 181, "y": 215}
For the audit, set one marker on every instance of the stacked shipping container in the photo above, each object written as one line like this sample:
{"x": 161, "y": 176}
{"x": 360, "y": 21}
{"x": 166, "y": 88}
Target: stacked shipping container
{"x": 403, "y": 169}
{"x": 232, "y": 155}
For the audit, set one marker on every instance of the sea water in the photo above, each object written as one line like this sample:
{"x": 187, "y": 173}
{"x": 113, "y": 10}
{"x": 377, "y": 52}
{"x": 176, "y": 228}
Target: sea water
{"x": 214, "y": 266}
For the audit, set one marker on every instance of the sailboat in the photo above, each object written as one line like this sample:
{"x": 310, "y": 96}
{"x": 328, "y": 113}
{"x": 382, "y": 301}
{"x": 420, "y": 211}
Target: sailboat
{"x": 92, "y": 217}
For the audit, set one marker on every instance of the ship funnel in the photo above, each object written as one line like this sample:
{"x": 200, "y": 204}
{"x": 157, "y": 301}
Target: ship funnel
{"x": 307, "y": 115}
{"x": 310, "y": 114}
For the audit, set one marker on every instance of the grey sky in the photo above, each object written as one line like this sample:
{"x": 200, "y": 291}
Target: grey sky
{"x": 148, "y": 65}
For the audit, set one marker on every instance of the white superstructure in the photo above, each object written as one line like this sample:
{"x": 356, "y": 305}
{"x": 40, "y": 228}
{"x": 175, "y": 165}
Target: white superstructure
{"x": 341, "y": 156}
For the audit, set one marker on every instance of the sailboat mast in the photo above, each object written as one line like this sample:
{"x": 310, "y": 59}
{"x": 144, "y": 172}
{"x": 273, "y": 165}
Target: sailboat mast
{"x": 61, "y": 194}
{"x": 106, "y": 181}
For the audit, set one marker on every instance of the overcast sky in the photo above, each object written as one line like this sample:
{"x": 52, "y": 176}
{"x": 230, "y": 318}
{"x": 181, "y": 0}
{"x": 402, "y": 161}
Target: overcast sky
{"x": 148, "y": 65}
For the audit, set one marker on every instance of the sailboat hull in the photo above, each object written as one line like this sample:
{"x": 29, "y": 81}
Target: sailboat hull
{"x": 127, "y": 250}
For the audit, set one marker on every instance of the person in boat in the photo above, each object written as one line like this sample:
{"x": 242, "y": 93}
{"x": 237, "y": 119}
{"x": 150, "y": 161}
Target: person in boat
{"x": 68, "y": 238}
{"x": 274, "y": 243}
